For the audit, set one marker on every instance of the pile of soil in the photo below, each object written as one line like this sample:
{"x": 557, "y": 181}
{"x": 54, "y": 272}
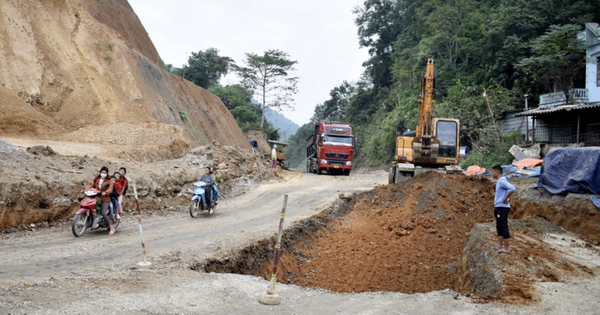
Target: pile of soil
{"x": 37, "y": 186}
{"x": 401, "y": 238}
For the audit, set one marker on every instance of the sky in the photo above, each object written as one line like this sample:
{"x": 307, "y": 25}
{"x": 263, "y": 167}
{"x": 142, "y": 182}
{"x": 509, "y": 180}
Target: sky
{"x": 320, "y": 35}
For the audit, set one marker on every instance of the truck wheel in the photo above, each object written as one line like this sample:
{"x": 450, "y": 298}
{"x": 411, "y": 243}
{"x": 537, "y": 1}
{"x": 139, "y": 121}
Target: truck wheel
{"x": 392, "y": 176}
{"x": 319, "y": 171}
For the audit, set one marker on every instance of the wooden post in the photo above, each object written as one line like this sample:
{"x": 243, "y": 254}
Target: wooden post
{"x": 271, "y": 289}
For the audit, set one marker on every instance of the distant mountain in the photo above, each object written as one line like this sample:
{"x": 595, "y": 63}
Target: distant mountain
{"x": 286, "y": 127}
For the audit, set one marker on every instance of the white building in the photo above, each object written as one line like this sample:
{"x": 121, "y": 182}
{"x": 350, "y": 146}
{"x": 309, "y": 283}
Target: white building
{"x": 592, "y": 68}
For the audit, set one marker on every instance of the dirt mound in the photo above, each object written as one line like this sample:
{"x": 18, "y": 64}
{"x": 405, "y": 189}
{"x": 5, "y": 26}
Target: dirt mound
{"x": 79, "y": 64}
{"x": 404, "y": 238}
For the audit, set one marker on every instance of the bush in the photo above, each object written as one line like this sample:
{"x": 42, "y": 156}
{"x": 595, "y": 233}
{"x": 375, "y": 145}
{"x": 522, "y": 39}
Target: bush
{"x": 495, "y": 153}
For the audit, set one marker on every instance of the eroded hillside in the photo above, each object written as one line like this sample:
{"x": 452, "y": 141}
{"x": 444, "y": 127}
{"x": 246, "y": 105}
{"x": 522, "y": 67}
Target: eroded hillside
{"x": 74, "y": 68}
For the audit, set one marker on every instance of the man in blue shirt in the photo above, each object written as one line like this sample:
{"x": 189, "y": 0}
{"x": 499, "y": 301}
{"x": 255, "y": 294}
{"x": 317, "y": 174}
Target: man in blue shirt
{"x": 501, "y": 208}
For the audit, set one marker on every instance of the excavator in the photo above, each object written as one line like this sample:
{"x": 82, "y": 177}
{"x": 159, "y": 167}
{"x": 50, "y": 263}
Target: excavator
{"x": 433, "y": 146}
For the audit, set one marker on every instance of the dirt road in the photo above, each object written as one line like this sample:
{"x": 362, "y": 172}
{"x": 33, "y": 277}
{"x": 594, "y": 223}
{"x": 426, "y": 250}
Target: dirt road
{"x": 50, "y": 271}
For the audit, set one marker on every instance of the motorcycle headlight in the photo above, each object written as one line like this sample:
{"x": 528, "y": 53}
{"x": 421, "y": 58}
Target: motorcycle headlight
{"x": 323, "y": 161}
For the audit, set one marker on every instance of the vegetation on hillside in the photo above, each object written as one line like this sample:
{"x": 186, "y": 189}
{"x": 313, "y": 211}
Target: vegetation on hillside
{"x": 266, "y": 76}
{"x": 507, "y": 48}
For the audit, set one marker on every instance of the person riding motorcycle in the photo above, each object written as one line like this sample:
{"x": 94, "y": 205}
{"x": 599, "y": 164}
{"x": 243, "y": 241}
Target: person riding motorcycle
{"x": 210, "y": 181}
{"x": 104, "y": 184}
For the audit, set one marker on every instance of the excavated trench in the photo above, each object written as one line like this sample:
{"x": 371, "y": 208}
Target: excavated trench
{"x": 412, "y": 237}
{"x": 403, "y": 238}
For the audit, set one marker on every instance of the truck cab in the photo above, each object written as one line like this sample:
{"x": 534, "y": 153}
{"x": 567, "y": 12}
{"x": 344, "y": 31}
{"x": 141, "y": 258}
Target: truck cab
{"x": 330, "y": 149}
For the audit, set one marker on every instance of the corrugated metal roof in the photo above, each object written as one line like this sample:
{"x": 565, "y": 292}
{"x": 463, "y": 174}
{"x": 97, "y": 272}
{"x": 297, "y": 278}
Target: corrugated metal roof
{"x": 546, "y": 110}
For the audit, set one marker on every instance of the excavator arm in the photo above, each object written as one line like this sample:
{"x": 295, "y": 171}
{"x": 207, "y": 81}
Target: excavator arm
{"x": 425, "y": 146}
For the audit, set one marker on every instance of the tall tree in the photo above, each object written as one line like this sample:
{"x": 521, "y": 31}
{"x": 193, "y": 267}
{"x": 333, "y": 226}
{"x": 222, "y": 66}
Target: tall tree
{"x": 205, "y": 68}
{"x": 268, "y": 75}
{"x": 558, "y": 58}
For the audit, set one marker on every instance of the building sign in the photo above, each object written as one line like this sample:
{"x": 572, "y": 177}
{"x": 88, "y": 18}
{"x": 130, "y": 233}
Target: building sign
{"x": 558, "y": 98}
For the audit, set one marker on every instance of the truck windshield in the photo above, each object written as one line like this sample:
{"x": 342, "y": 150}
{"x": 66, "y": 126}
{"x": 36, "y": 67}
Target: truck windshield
{"x": 337, "y": 140}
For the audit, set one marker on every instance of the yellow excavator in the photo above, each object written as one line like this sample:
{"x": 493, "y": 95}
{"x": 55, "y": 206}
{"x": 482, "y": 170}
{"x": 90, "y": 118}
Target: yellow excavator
{"x": 433, "y": 146}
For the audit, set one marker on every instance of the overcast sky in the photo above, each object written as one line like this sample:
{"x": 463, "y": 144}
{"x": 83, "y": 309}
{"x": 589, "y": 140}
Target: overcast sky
{"x": 320, "y": 35}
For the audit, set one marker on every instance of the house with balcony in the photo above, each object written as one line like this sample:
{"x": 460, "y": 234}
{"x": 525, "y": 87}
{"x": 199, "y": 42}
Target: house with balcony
{"x": 576, "y": 123}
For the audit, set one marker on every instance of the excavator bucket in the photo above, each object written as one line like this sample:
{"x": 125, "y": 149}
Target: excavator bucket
{"x": 453, "y": 169}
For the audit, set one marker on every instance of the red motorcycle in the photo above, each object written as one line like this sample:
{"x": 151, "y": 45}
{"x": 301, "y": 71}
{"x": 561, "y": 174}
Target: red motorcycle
{"x": 88, "y": 217}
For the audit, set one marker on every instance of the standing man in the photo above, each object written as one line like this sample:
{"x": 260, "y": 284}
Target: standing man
{"x": 501, "y": 208}
{"x": 274, "y": 157}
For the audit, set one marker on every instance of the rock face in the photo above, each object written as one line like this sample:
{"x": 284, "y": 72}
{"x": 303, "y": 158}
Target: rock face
{"x": 67, "y": 65}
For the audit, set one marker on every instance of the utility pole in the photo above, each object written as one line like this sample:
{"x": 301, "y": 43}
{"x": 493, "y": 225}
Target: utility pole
{"x": 491, "y": 115}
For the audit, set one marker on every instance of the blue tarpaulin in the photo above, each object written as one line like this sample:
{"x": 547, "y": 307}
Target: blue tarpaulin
{"x": 572, "y": 170}
{"x": 595, "y": 201}
{"x": 508, "y": 171}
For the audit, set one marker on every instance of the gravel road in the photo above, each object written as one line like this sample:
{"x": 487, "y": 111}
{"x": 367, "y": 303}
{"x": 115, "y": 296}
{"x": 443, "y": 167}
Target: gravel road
{"x": 49, "y": 271}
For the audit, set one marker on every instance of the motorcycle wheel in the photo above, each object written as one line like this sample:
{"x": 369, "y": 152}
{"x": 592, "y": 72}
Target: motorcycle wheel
{"x": 80, "y": 224}
{"x": 194, "y": 208}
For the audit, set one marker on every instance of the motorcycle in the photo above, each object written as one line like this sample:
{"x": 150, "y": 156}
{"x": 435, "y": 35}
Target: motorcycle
{"x": 84, "y": 218}
{"x": 199, "y": 200}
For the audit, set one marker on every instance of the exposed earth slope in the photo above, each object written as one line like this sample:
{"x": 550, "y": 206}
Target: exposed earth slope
{"x": 74, "y": 68}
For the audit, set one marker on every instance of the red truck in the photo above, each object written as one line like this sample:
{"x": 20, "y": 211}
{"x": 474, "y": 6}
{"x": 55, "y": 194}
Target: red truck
{"x": 330, "y": 148}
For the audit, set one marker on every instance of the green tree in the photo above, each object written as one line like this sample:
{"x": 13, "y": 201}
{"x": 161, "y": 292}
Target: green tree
{"x": 558, "y": 58}
{"x": 233, "y": 96}
{"x": 335, "y": 107}
{"x": 467, "y": 104}
{"x": 205, "y": 68}
{"x": 246, "y": 115}
{"x": 268, "y": 76}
